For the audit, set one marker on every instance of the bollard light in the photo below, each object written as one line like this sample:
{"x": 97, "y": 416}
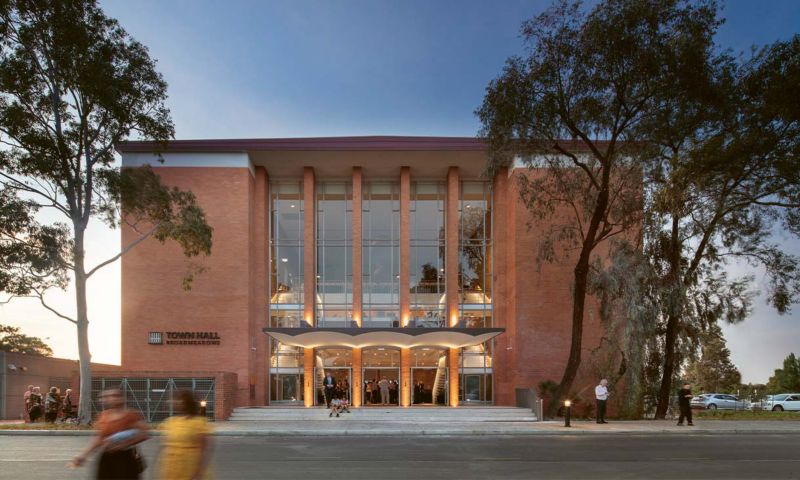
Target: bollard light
{"x": 567, "y": 405}
{"x": 203, "y": 408}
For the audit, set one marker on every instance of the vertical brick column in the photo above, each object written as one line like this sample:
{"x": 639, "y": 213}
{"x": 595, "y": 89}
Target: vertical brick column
{"x": 309, "y": 245}
{"x": 356, "y": 385}
{"x": 451, "y": 246}
{"x": 451, "y": 273}
{"x": 500, "y": 295}
{"x": 452, "y": 361}
{"x": 308, "y": 377}
{"x": 405, "y": 377}
{"x": 357, "y": 228}
{"x": 405, "y": 243}
{"x": 259, "y": 299}
{"x": 309, "y": 274}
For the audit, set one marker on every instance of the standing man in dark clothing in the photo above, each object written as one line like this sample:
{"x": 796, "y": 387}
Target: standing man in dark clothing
{"x": 684, "y": 397}
{"x": 329, "y": 383}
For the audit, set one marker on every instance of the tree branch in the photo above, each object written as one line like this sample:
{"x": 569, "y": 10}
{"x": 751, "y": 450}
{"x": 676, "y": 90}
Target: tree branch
{"x": 123, "y": 251}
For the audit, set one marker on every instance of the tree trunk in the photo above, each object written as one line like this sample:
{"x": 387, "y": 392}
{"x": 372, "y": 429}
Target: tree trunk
{"x": 84, "y": 357}
{"x": 578, "y": 305}
{"x": 669, "y": 367}
{"x": 579, "y": 298}
{"x": 672, "y": 321}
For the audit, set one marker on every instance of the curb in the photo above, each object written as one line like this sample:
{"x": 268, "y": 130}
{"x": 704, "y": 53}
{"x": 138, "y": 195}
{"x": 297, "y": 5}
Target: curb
{"x": 425, "y": 433}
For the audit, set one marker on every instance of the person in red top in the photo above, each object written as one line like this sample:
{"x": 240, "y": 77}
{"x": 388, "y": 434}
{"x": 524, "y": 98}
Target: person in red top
{"x": 119, "y": 430}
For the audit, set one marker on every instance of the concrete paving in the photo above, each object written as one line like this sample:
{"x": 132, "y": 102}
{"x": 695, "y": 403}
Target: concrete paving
{"x": 595, "y": 457}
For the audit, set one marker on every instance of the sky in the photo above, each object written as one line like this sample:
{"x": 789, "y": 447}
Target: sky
{"x": 239, "y": 69}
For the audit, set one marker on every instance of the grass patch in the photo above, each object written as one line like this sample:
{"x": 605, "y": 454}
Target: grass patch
{"x": 747, "y": 415}
{"x": 43, "y": 426}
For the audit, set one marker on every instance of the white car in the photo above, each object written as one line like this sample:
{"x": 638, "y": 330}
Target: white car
{"x": 722, "y": 401}
{"x": 784, "y": 401}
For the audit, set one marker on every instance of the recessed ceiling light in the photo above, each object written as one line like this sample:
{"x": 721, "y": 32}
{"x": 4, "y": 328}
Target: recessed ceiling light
{"x": 284, "y": 260}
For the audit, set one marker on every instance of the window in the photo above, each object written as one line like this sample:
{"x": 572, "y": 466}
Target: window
{"x": 154, "y": 338}
{"x": 427, "y": 265}
{"x": 334, "y": 254}
{"x": 381, "y": 255}
{"x": 286, "y": 253}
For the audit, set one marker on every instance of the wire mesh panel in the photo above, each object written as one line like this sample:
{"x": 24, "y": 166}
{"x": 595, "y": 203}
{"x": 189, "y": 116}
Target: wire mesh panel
{"x": 154, "y": 397}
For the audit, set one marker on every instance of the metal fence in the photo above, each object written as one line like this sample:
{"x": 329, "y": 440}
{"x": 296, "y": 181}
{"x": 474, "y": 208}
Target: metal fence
{"x": 153, "y": 397}
{"x": 527, "y": 398}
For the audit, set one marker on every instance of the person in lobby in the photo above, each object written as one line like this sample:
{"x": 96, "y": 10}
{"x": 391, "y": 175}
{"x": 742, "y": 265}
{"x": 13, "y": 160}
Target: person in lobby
{"x": 684, "y": 402}
{"x": 384, "y": 386}
{"x": 601, "y": 395}
{"x": 368, "y": 392}
{"x": 330, "y": 385}
{"x": 186, "y": 443}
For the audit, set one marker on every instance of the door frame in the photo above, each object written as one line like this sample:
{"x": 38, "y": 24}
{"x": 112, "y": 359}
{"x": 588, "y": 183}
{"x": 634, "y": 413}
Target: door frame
{"x": 446, "y": 387}
{"x": 364, "y": 386}
{"x": 324, "y": 369}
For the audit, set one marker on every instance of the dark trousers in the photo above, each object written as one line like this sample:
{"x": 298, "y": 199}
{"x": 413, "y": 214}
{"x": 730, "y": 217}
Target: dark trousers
{"x": 328, "y": 396}
{"x": 601, "y": 411}
{"x": 686, "y": 412}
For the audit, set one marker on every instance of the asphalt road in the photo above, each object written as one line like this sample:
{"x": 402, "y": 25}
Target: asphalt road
{"x": 438, "y": 458}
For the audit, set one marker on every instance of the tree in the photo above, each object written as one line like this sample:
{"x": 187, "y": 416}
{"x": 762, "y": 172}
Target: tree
{"x": 713, "y": 371}
{"x": 570, "y": 111}
{"x": 786, "y": 379}
{"x": 12, "y": 340}
{"x": 72, "y": 85}
{"x": 723, "y": 172}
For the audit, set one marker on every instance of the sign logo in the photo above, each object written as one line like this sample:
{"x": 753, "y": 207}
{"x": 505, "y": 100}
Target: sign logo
{"x": 185, "y": 338}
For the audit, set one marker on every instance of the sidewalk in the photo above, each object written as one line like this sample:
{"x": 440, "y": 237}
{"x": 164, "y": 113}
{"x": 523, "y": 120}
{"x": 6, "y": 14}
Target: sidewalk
{"x": 349, "y": 427}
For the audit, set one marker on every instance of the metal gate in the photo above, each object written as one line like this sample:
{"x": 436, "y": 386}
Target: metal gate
{"x": 153, "y": 396}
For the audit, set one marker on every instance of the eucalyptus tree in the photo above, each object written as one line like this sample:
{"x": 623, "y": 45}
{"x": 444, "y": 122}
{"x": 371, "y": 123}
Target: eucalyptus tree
{"x": 570, "y": 110}
{"x": 73, "y": 83}
{"x": 723, "y": 175}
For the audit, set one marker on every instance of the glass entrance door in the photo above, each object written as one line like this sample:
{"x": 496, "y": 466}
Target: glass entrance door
{"x": 381, "y": 386}
{"x": 286, "y": 388}
{"x": 430, "y": 386}
{"x": 342, "y": 377}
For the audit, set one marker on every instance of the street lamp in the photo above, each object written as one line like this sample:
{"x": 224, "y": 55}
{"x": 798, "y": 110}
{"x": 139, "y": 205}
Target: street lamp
{"x": 203, "y": 408}
{"x": 567, "y": 405}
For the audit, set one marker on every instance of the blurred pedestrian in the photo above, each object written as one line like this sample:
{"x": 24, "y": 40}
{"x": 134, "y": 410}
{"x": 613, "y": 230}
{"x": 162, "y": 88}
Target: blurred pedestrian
{"x": 186, "y": 444}
{"x": 52, "y": 404}
{"x": 601, "y": 395}
{"x": 684, "y": 403}
{"x": 119, "y": 430}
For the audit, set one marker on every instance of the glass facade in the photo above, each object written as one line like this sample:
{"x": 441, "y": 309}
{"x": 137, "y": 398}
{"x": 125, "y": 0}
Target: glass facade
{"x": 427, "y": 266}
{"x": 286, "y": 288}
{"x": 475, "y": 289}
{"x": 429, "y": 379}
{"x": 381, "y": 255}
{"x": 334, "y": 254}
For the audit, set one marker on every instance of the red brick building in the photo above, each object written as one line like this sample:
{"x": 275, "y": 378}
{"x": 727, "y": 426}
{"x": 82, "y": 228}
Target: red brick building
{"x": 368, "y": 258}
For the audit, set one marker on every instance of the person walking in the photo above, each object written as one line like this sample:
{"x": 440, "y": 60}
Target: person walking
{"x": 384, "y": 386}
{"x": 684, "y": 402}
{"x": 52, "y": 404}
{"x": 119, "y": 430}
{"x": 601, "y": 394}
{"x": 186, "y": 443}
{"x": 330, "y": 384}
{"x": 27, "y": 404}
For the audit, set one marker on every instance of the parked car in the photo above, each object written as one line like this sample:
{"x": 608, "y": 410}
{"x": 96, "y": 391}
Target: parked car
{"x": 722, "y": 401}
{"x": 698, "y": 401}
{"x": 784, "y": 401}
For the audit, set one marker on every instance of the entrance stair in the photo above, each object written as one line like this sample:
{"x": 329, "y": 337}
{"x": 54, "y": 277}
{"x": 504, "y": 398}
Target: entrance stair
{"x": 386, "y": 415}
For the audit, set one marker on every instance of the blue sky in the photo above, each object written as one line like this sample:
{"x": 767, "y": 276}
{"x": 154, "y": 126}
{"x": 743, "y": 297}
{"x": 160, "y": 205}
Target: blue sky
{"x": 326, "y": 68}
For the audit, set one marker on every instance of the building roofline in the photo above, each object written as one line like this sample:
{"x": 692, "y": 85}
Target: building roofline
{"x": 366, "y": 143}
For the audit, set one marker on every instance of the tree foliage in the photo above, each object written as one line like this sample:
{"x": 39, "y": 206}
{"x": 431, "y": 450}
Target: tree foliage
{"x": 12, "y": 340}
{"x": 72, "y": 85}
{"x": 713, "y": 371}
{"x": 786, "y": 379}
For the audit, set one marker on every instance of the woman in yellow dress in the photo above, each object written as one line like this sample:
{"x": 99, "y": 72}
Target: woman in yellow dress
{"x": 186, "y": 443}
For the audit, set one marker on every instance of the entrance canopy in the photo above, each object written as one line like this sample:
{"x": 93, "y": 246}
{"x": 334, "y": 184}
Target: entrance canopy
{"x": 407, "y": 337}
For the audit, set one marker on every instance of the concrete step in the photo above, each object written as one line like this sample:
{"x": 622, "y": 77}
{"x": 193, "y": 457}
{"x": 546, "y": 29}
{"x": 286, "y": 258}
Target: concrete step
{"x": 391, "y": 414}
